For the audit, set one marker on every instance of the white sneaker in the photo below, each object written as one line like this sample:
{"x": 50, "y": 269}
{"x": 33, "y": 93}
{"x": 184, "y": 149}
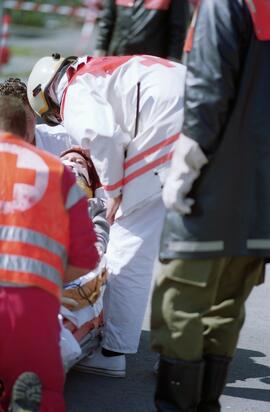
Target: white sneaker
{"x": 98, "y": 364}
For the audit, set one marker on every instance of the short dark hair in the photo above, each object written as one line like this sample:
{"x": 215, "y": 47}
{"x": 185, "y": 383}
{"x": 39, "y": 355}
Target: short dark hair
{"x": 14, "y": 87}
{"x": 12, "y": 116}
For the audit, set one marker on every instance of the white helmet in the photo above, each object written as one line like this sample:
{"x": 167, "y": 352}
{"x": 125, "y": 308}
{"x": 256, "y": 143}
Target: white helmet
{"x": 40, "y": 95}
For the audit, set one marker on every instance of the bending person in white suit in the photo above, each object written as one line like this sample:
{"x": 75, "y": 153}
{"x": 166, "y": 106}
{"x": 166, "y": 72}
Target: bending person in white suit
{"x": 128, "y": 112}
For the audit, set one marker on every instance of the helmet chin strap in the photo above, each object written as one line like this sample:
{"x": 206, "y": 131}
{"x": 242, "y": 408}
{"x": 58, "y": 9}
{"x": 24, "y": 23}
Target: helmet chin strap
{"x": 52, "y": 116}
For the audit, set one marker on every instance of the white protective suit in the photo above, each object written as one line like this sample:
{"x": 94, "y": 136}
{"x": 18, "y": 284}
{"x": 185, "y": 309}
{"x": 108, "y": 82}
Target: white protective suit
{"x": 53, "y": 139}
{"x": 128, "y": 111}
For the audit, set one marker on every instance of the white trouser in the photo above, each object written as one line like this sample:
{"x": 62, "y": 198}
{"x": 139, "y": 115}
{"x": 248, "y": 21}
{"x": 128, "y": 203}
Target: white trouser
{"x": 132, "y": 249}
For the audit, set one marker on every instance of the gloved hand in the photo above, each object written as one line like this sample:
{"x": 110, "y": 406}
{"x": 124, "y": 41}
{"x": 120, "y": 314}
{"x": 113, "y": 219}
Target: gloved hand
{"x": 187, "y": 161}
{"x": 174, "y": 194}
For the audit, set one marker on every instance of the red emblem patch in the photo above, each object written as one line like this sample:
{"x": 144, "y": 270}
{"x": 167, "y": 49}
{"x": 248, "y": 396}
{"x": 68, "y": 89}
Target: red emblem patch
{"x": 191, "y": 30}
{"x": 157, "y": 4}
{"x": 125, "y": 3}
{"x": 260, "y": 13}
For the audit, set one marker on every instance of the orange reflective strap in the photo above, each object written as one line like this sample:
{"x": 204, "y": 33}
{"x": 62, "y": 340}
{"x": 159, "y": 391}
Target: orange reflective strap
{"x": 157, "y": 4}
{"x": 149, "y": 166}
{"x": 165, "y": 144}
{"x": 25, "y": 249}
{"x": 125, "y": 3}
{"x": 30, "y": 279}
{"x": 148, "y": 4}
{"x": 159, "y": 146}
{"x": 82, "y": 331}
{"x": 190, "y": 34}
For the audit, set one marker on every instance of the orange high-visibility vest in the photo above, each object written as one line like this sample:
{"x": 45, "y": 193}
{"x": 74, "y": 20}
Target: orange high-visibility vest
{"x": 34, "y": 222}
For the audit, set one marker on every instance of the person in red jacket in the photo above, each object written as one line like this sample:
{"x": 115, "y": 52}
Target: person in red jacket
{"x": 46, "y": 239}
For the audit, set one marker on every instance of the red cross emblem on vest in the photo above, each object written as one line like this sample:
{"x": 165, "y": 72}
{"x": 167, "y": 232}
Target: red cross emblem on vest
{"x": 23, "y": 179}
{"x": 8, "y": 162}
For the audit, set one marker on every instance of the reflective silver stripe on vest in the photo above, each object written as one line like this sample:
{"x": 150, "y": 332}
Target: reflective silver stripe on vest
{"x": 258, "y": 244}
{"x": 32, "y": 237}
{"x": 210, "y": 246}
{"x": 74, "y": 195}
{"x": 24, "y": 264}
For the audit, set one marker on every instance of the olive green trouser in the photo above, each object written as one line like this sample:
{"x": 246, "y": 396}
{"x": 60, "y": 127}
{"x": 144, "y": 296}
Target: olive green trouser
{"x": 198, "y": 305}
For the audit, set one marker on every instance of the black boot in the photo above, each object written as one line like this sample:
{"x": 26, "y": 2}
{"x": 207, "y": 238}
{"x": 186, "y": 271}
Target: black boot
{"x": 214, "y": 379}
{"x": 2, "y": 391}
{"x": 178, "y": 385}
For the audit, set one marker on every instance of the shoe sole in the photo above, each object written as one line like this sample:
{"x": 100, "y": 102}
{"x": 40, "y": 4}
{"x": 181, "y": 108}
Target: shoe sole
{"x": 26, "y": 393}
{"x": 102, "y": 372}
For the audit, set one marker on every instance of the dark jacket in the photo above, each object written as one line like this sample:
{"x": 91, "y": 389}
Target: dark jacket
{"x": 227, "y": 111}
{"x": 156, "y": 27}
